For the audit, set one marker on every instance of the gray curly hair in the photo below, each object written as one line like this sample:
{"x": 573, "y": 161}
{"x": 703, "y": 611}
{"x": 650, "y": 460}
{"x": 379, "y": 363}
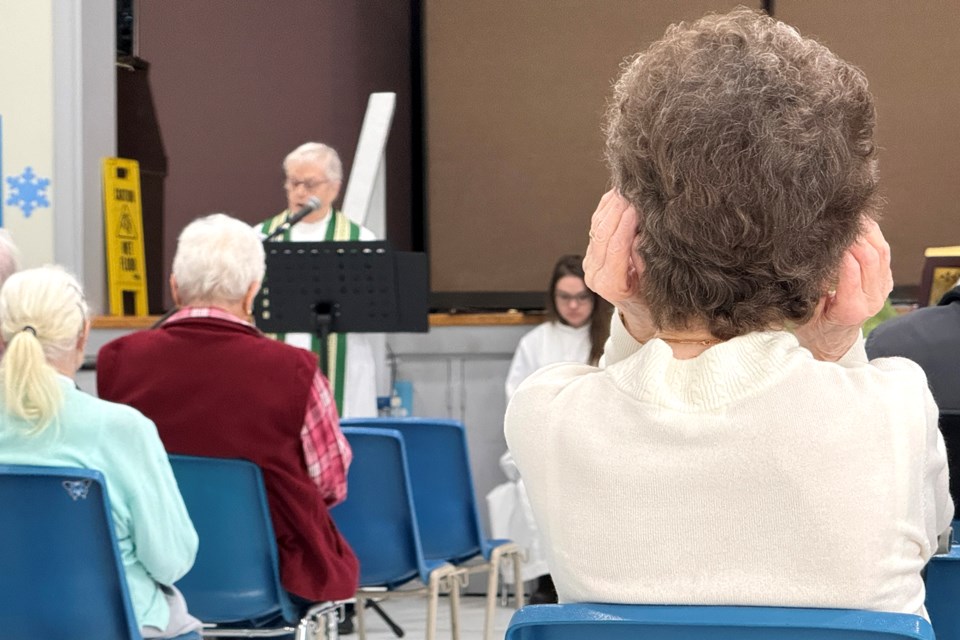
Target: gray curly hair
{"x": 748, "y": 153}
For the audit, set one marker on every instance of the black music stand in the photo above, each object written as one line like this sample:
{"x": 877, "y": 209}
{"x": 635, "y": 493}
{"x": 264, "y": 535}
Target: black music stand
{"x": 341, "y": 287}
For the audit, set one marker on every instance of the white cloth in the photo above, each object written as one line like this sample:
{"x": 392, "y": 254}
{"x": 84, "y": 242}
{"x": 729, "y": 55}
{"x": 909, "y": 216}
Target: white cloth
{"x": 749, "y": 475}
{"x": 180, "y": 622}
{"x": 507, "y": 504}
{"x": 360, "y": 370}
{"x": 511, "y": 517}
{"x": 549, "y": 343}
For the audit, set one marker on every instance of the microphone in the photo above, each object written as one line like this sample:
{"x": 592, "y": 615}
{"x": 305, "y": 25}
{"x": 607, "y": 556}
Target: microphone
{"x": 313, "y": 203}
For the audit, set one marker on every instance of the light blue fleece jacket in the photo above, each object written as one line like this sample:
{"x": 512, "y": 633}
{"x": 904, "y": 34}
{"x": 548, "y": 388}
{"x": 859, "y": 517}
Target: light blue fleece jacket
{"x": 157, "y": 540}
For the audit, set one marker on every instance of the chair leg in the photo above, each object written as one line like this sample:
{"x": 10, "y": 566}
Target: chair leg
{"x": 331, "y": 623}
{"x": 503, "y": 592}
{"x": 432, "y": 604}
{"x": 492, "y": 580}
{"x": 320, "y": 622}
{"x": 497, "y": 554}
{"x": 301, "y": 633}
{"x": 361, "y": 627}
{"x": 454, "y": 580}
{"x": 517, "y": 580}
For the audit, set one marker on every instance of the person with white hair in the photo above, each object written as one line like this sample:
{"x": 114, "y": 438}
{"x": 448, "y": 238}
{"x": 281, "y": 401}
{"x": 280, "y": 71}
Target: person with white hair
{"x": 47, "y": 420}
{"x": 217, "y": 387}
{"x": 314, "y": 170}
{"x": 9, "y": 257}
{"x": 9, "y": 260}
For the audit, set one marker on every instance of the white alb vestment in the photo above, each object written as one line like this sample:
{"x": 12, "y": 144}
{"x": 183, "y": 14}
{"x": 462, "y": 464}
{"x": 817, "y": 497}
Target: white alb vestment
{"x": 360, "y": 370}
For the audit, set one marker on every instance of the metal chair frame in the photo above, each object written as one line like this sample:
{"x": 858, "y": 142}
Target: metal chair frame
{"x": 438, "y": 492}
{"x": 222, "y": 494}
{"x": 379, "y": 510}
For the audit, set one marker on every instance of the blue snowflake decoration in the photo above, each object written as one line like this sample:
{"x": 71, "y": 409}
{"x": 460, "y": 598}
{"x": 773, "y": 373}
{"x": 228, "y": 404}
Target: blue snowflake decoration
{"x": 28, "y": 192}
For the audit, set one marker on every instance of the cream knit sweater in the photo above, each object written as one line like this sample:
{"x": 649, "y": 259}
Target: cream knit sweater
{"x": 751, "y": 474}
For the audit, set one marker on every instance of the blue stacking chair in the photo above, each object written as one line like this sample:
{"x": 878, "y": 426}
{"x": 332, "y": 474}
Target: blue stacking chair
{"x": 659, "y": 622}
{"x": 943, "y": 593}
{"x": 236, "y": 577}
{"x": 445, "y": 501}
{"x": 379, "y": 522}
{"x": 61, "y": 576}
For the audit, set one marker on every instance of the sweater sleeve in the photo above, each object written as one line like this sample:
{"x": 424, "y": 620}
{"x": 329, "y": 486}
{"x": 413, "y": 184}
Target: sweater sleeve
{"x": 526, "y": 414}
{"x": 165, "y": 541}
{"x": 938, "y": 505}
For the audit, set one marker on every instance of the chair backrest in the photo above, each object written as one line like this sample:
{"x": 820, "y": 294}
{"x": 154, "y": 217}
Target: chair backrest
{"x": 60, "y": 570}
{"x": 377, "y": 518}
{"x": 942, "y": 580}
{"x": 236, "y": 576}
{"x": 442, "y": 485}
{"x": 654, "y": 622}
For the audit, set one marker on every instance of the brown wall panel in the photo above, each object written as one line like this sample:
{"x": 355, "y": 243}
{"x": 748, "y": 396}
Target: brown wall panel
{"x": 514, "y": 93}
{"x": 238, "y": 84}
{"x": 910, "y": 51}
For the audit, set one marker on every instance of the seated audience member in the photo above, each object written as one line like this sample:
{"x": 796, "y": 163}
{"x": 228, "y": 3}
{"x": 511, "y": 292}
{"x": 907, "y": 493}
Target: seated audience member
{"x": 9, "y": 260}
{"x": 218, "y": 387}
{"x": 9, "y": 256}
{"x": 719, "y": 458}
{"x": 930, "y": 337}
{"x": 46, "y": 420}
{"x": 578, "y": 323}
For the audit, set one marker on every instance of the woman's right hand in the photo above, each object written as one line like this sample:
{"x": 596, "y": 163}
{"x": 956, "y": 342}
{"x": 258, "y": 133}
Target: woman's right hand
{"x": 612, "y": 267}
{"x": 865, "y": 281}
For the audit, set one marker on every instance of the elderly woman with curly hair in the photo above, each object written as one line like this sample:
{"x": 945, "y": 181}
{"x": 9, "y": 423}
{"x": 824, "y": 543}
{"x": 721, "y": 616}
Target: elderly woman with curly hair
{"x": 737, "y": 447}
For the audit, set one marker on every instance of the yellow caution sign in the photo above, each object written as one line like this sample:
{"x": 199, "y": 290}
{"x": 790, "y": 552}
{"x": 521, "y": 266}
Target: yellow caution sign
{"x": 123, "y": 224}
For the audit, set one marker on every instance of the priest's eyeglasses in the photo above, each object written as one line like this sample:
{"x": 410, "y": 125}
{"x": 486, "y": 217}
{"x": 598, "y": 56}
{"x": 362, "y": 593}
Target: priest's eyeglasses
{"x": 290, "y": 184}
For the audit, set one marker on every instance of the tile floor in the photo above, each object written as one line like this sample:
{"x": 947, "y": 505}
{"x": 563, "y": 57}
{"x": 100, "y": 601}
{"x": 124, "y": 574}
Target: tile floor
{"x": 411, "y": 614}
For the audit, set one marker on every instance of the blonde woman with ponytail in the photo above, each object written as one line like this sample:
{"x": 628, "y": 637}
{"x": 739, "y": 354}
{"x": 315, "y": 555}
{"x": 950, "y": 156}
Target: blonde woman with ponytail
{"x": 46, "y": 420}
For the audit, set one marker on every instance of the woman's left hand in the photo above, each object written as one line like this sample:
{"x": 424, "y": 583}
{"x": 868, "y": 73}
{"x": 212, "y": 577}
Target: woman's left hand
{"x": 865, "y": 281}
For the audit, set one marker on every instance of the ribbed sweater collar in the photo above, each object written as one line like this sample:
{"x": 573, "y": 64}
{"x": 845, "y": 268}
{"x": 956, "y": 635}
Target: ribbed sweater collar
{"x": 717, "y": 377}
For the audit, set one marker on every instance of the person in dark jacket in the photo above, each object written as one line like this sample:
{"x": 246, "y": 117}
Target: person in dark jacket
{"x": 930, "y": 337}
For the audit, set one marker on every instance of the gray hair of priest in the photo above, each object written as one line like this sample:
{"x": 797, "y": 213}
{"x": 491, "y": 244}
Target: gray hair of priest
{"x": 320, "y": 154}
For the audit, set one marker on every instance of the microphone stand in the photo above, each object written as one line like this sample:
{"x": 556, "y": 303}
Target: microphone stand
{"x": 312, "y": 205}
{"x": 397, "y": 629}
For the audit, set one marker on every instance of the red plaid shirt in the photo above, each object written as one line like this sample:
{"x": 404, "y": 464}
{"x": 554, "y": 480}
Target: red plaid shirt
{"x": 325, "y": 449}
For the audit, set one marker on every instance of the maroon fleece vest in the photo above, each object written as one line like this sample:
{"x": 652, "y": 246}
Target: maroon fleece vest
{"x": 220, "y": 389}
